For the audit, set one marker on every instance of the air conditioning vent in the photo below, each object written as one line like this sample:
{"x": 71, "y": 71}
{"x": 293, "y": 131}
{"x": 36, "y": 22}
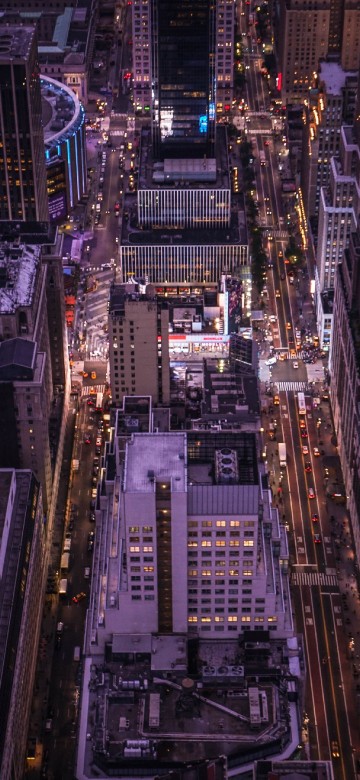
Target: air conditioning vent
{"x": 226, "y": 467}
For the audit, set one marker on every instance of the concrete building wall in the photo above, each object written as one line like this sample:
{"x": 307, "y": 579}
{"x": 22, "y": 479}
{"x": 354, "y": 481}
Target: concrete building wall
{"x": 139, "y": 352}
{"x": 25, "y": 514}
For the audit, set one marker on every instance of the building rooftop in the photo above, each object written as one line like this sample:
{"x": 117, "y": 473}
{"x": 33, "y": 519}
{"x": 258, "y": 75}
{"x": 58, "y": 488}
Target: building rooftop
{"x": 334, "y": 77}
{"x": 194, "y": 173}
{"x": 131, "y": 234}
{"x": 20, "y": 353}
{"x": 15, "y": 41}
{"x": 19, "y": 264}
{"x": 62, "y": 113}
{"x": 152, "y": 458}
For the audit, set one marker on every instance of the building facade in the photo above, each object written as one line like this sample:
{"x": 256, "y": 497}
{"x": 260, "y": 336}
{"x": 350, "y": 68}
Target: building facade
{"x": 33, "y": 366}
{"x": 331, "y": 103}
{"x": 207, "y": 33}
{"x": 65, "y": 147}
{"x": 138, "y": 345}
{"x": 345, "y": 377}
{"x": 200, "y": 551}
{"x": 23, "y": 575}
{"x": 23, "y": 192}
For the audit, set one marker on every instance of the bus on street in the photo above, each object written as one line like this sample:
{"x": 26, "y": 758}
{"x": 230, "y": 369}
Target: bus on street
{"x": 301, "y": 403}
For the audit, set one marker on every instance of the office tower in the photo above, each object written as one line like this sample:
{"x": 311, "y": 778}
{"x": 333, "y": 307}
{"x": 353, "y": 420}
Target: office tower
{"x": 198, "y": 541}
{"x": 138, "y": 345}
{"x": 302, "y": 36}
{"x": 345, "y": 376}
{"x": 162, "y": 33}
{"x": 307, "y": 31}
{"x": 338, "y": 210}
{"x": 331, "y": 103}
{"x": 183, "y": 69}
{"x": 23, "y": 568}
{"x": 31, "y": 418}
{"x": 23, "y": 192}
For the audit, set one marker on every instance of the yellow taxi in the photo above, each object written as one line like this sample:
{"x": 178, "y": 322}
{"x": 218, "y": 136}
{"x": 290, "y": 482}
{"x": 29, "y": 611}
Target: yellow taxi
{"x": 93, "y": 375}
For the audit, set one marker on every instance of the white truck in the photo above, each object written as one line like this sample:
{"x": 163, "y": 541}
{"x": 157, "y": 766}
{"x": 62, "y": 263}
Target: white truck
{"x": 282, "y": 455}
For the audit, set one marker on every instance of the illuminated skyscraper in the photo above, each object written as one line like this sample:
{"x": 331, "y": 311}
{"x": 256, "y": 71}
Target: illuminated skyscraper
{"x": 23, "y": 189}
{"x": 183, "y": 57}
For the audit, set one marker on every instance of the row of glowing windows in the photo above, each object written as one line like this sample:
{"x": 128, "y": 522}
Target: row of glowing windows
{"x": 231, "y": 619}
{"x": 221, "y": 543}
{"x": 219, "y": 573}
{"x": 222, "y": 523}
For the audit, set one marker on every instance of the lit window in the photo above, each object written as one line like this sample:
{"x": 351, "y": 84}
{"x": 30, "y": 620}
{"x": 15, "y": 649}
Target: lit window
{"x": 272, "y": 619}
{"x": 234, "y": 543}
{"x": 192, "y": 619}
{"x": 192, "y": 544}
{"x": 206, "y": 524}
{"x": 220, "y": 543}
{"x": 134, "y": 548}
{"x": 232, "y": 619}
{"x": 245, "y": 619}
{"x": 234, "y": 523}
{"x": 192, "y": 572}
{"x": 234, "y": 572}
{"x": 219, "y": 619}
{"x": 205, "y": 544}
{"x": 134, "y": 529}
{"x": 206, "y": 572}
{"x": 221, "y": 523}
{"x": 148, "y": 549}
{"x": 206, "y": 620}
{"x": 248, "y": 543}
{"x": 247, "y": 573}
{"x": 148, "y": 568}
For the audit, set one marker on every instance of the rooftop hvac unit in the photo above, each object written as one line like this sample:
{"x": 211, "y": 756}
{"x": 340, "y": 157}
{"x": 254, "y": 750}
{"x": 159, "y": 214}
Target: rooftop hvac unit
{"x": 226, "y": 466}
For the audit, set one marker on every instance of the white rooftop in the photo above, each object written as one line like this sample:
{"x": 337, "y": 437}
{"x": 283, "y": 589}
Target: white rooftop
{"x": 334, "y": 77}
{"x": 151, "y": 458}
{"x": 18, "y": 270}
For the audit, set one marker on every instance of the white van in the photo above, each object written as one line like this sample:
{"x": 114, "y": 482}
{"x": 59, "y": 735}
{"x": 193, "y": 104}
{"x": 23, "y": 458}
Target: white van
{"x": 87, "y": 572}
{"x": 77, "y": 652}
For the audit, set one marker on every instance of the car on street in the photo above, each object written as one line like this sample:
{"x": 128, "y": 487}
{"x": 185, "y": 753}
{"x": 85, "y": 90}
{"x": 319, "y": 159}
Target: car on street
{"x": 93, "y": 375}
{"x": 277, "y": 294}
{"x": 271, "y": 361}
{"x": 308, "y": 466}
{"x": 316, "y": 452}
{"x": 79, "y": 597}
{"x": 305, "y": 449}
{"x": 311, "y": 493}
{"x": 304, "y": 433}
{"x": 335, "y": 752}
{"x": 317, "y": 539}
{"x": 295, "y": 364}
{"x": 315, "y": 518}
{"x": 87, "y": 439}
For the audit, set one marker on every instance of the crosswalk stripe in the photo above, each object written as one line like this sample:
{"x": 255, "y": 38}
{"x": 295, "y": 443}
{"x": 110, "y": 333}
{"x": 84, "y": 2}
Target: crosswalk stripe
{"x": 314, "y": 578}
{"x": 97, "y": 388}
{"x": 292, "y": 386}
{"x": 288, "y": 356}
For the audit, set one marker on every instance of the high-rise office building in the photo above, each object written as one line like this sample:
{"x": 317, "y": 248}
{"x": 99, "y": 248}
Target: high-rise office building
{"x": 307, "y": 31}
{"x": 199, "y": 544}
{"x": 23, "y": 571}
{"x": 23, "y": 189}
{"x": 331, "y": 103}
{"x": 183, "y": 69}
{"x": 183, "y": 54}
{"x": 138, "y": 345}
{"x": 33, "y": 366}
{"x": 345, "y": 376}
